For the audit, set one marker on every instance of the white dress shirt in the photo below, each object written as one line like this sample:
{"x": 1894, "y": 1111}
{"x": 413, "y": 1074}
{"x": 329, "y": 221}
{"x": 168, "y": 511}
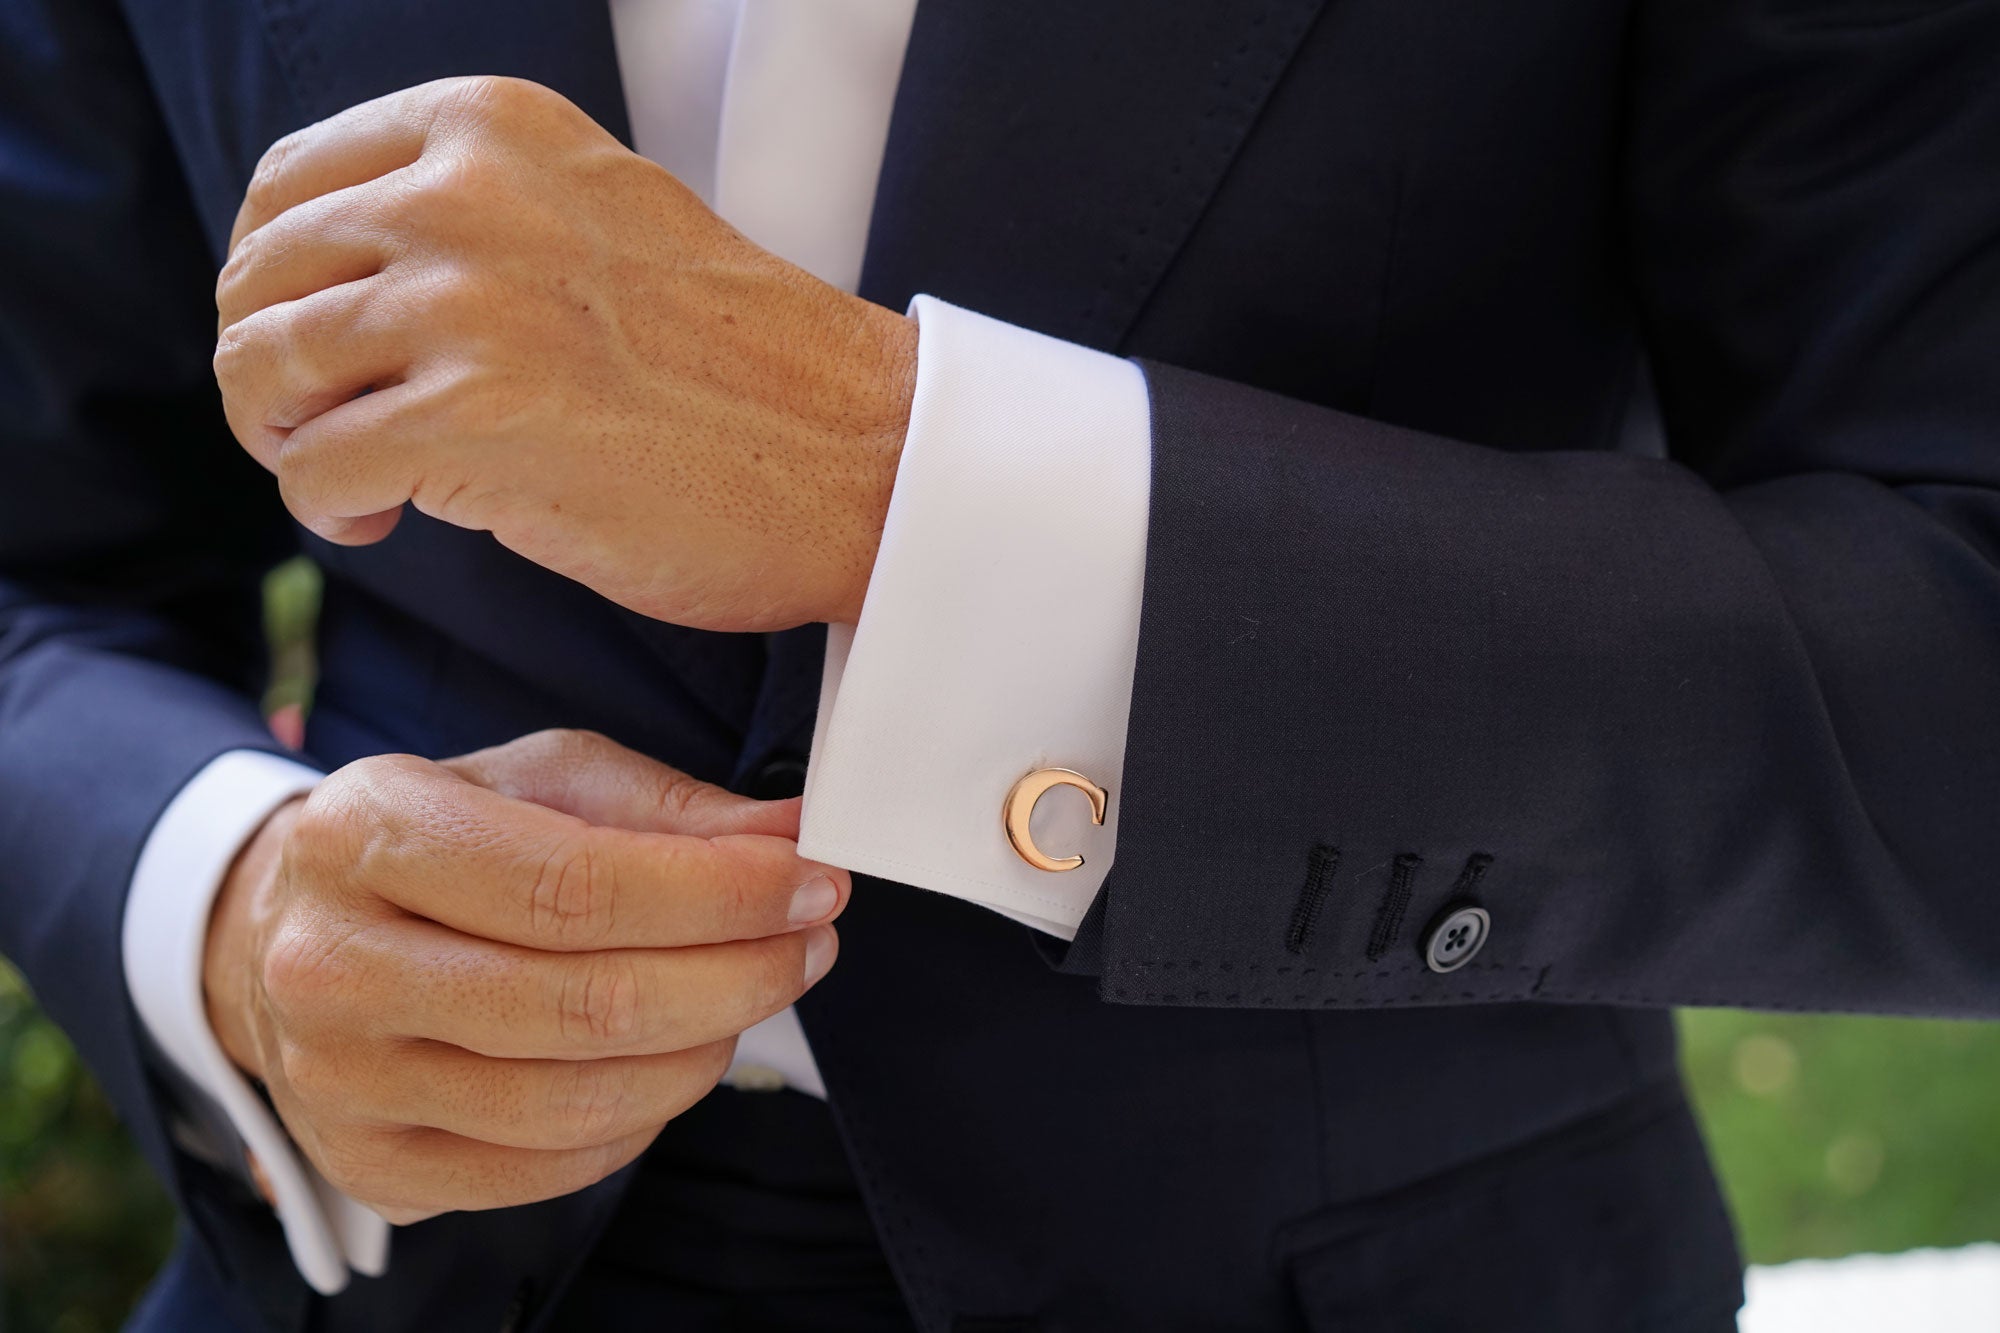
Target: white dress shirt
{"x": 1000, "y": 626}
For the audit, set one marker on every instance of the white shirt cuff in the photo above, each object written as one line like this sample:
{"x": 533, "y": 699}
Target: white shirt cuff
{"x": 1000, "y": 628}
{"x": 179, "y": 872}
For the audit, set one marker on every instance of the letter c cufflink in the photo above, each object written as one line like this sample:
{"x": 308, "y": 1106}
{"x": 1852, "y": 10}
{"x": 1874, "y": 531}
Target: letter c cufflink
{"x": 1020, "y": 809}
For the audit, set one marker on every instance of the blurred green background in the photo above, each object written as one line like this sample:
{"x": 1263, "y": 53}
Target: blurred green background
{"x": 1833, "y": 1135}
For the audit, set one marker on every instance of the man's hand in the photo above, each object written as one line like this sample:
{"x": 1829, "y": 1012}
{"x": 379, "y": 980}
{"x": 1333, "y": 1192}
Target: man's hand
{"x": 491, "y": 981}
{"x": 470, "y": 298}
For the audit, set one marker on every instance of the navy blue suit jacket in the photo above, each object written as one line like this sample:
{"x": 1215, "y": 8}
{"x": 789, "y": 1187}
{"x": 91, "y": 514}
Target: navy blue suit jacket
{"x": 1434, "y": 613}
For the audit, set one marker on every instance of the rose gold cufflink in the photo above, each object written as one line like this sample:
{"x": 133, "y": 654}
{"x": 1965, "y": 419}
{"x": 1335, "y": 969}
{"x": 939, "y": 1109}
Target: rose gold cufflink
{"x": 1020, "y": 809}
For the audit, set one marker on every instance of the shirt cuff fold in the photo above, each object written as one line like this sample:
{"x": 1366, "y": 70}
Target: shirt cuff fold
{"x": 179, "y": 872}
{"x": 1000, "y": 628}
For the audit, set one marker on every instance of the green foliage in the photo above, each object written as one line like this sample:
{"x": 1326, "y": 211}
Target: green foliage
{"x": 1839, "y": 1135}
{"x": 83, "y": 1224}
{"x": 291, "y": 609}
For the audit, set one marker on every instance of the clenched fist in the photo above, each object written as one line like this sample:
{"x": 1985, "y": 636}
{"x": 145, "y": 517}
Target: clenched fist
{"x": 493, "y": 980}
{"x": 470, "y": 298}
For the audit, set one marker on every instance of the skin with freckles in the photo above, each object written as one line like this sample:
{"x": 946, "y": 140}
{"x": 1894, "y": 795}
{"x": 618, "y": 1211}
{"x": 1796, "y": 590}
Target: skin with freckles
{"x": 493, "y": 980}
{"x": 469, "y": 298}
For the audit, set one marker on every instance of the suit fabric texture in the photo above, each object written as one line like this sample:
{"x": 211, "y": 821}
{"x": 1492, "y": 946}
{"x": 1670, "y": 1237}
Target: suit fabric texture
{"x": 1436, "y": 613}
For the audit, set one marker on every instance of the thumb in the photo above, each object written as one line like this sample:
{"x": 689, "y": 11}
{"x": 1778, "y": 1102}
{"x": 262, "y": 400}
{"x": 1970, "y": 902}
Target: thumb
{"x": 601, "y": 782}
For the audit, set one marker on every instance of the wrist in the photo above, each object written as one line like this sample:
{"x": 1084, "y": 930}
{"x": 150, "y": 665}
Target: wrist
{"x": 228, "y": 961}
{"x": 885, "y": 369}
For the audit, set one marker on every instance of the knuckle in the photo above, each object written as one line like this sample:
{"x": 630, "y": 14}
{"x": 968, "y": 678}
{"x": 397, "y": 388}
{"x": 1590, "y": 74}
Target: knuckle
{"x": 452, "y": 180}
{"x": 295, "y": 376}
{"x": 240, "y": 350}
{"x": 572, "y": 901}
{"x": 509, "y": 94}
{"x": 227, "y": 364}
{"x": 292, "y": 975}
{"x": 676, "y": 798}
{"x": 599, "y": 1001}
{"x": 577, "y": 742}
{"x": 280, "y": 353}
{"x": 590, "y": 1100}
{"x": 378, "y": 783}
{"x": 495, "y": 96}
{"x": 334, "y": 823}
{"x": 375, "y": 769}
{"x": 242, "y": 261}
{"x": 429, "y": 195}
{"x": 562, "y": 746}
{"x": 270, "y": 169}
{"x": 473, "y": 93}
{"x": 324, "y": 815}
{"x": 421, "y": 214}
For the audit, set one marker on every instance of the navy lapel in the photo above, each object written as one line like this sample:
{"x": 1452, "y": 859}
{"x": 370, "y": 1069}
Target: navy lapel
{"x": 340, "y": 52}
{"x": 1048, "y": 157}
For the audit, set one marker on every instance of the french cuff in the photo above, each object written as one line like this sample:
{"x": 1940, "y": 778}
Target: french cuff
{"x": 1000, "y": 628}
{"x": 179, "y": 872}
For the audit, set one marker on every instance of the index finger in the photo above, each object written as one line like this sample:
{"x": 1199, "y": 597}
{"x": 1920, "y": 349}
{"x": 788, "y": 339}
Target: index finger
{"x": 516, "y": 872}
{"x": 351, "y": 147}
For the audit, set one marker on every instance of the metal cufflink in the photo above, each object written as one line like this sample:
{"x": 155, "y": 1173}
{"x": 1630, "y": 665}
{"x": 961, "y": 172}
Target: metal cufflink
{"x": 1019, "y": 809}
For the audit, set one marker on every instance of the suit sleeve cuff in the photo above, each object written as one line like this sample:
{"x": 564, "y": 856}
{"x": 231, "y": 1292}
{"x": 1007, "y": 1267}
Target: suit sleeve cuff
{"x": 180, "y": 869}
{"x": 1000, "y": 627}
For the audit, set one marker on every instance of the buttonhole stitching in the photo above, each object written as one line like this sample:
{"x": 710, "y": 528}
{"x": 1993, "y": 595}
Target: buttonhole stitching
{"x": 1320, "y": 867}
{"x": 1395, "y": 902}
{"x": 1468, "y": 878}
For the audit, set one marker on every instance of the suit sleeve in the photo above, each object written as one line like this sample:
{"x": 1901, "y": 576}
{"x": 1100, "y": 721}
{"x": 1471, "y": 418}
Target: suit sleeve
{"x": 133, "y": 535}
{"x": 1719, "y": 729}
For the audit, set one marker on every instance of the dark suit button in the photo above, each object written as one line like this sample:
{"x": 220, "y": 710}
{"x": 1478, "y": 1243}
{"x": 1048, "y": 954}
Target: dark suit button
{"x": 781, "y": 777}
{"x": 1455, "y": 937}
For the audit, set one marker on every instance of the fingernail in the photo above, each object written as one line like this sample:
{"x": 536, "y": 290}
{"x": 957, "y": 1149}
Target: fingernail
{"x": 814, "y": 899}
{"x": 819, "y": 953}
